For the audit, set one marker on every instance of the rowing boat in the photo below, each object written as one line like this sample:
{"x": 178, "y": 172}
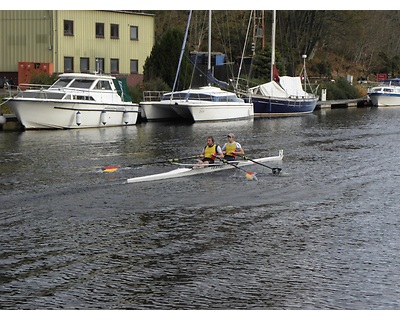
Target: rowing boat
{"x": 184, "y": 172}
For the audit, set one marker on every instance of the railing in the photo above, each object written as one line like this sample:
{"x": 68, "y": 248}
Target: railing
{"x": 153, "y": 95}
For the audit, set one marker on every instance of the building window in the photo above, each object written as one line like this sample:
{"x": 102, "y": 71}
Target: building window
{"x": 134, "y": 33}
{"x": 84, "y": 65}
{"x": 68, "y": 28}
{"x": 68, "y": 64}
{"x": 100, "y": 65}
{"x": 114, "y": 31}
{"x": 99, "y": 30}
{"x": 134, "y": 66}
{"x": 114, "y": 65}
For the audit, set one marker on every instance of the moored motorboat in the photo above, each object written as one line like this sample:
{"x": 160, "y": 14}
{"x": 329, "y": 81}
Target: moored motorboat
{"x": 207, "y": 103}
{"x": 75, "y": 100}
{"x": 194, "y": 170}
{"x": 386, "y": 94}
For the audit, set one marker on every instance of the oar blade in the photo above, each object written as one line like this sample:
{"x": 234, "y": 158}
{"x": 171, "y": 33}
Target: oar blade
{"x": 276, "y": 171}
{"x": 107, "y": 169}
{"x": 251, "y": 175}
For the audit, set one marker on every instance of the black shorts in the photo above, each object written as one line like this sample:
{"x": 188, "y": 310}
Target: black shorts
{"x": 229, "y": 158}
{"x": 209, "y": 160}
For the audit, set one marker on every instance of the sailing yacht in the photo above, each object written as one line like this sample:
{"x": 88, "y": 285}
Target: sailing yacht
{"x": 282, "y": 96}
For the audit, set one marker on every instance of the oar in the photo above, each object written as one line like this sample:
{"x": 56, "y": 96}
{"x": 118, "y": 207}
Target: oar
{"x": 249, "y": 174}
{"x": 115, "y": 168}
{"x": 274, "y": 170}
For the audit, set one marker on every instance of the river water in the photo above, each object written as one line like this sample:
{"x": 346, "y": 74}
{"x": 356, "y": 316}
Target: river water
{"x": 324, "y": 234}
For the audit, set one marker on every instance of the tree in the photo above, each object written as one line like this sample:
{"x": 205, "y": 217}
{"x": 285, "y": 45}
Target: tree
{"x": 262, "y": 64}
{"x": 163, "y": 61}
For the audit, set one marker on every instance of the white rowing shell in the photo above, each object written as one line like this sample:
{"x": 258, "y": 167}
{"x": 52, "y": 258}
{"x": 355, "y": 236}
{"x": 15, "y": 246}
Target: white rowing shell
{"x": 184, "y": 172}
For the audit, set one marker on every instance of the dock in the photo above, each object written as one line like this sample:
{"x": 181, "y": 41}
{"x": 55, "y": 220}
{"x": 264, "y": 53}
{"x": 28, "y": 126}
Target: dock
{"x": 344, "y": 103}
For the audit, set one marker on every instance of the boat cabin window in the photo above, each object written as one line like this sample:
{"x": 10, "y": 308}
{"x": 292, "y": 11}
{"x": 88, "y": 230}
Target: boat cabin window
{"x": 175, "y": 96}
{"x": 200, "y": 96}
{"x": 387, "y": 90}
{"x": 230, "y": 98}
{"x": 103, "y": 85}
{"x": 83, "y": 98}
{"x": 80, "y": 83}
{"x": 61, "y": 83}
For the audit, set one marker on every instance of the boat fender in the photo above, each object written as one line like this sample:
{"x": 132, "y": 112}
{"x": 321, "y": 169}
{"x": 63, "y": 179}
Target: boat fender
{"x": 125, "y": 117}
{"x": 78, "y": 118}
{"x": 103, "y": 117}
{"x": 3, "y": 119}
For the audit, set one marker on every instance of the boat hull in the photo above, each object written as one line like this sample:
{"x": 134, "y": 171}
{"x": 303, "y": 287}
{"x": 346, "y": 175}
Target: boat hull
{"x": 158, "y": 111}
{"x": 385, "y": 100}
{"x": 56, "y": 114}
{"x": 197, "y": 112}
{"x": 185, "y": 172}
{"x": 275, "y": 107}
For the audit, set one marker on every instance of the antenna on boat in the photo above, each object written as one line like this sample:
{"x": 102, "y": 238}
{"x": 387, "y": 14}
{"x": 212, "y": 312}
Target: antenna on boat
{"x": 97, "y": 67}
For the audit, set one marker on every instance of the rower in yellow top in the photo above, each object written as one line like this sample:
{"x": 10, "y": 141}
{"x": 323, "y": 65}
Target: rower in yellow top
{"x": 232, "y": 148}
{"x": 210, "y": 152}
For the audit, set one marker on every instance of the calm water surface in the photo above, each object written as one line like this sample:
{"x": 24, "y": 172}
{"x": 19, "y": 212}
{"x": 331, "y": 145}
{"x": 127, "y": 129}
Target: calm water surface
{"x": 325, "y": 234}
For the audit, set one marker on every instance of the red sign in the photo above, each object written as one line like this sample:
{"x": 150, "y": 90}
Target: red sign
{"x": 381, "y": 76}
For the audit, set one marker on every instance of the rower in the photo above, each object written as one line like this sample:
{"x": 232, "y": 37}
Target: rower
{"x": 232, "y": 148}
{"x": 210, "y": 152}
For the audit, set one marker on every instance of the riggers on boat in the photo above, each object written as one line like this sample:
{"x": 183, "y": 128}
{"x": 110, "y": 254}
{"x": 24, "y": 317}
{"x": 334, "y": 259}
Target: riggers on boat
{"x": 184, "y": 172}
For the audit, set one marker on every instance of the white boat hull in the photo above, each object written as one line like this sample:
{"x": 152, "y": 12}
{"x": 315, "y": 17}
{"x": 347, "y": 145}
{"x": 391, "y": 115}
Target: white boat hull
{"x": 184, "y": 172}
{"x": 56, "y": 114}
{"x": 211, "y": 112}
{"x": 385, "y": 100}
{"x": 158, "y": 110}
{"x": 75, "y": 100}
{"x": 203, "y": 104}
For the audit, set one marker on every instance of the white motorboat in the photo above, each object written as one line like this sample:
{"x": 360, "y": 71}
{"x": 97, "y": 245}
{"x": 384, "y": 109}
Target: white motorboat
{"x": 386, "y": 94}
{"x": 206, "y": 103}
{"x": 75, "y": 100}
{"x": 184, "y": 172}
{"x": 203, "y": 104}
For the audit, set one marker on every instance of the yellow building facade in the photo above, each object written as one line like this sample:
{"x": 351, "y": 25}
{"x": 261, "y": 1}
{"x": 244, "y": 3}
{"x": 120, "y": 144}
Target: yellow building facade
{"x": 111, "y": 42}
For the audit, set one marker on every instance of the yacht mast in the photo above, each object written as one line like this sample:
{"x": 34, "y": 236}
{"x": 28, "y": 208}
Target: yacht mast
{"x": 273, "y": 45}
{"x": 209, "y": 44}
{"x": 182, "y": 51}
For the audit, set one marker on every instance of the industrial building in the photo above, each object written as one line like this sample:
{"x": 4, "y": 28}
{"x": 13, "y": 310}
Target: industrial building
{"x": 110, "y": 42}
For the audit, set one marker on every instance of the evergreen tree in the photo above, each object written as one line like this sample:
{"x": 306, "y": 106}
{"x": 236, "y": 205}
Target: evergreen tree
{"x": 163, "y": 61}
{"x": 262, "y": 64}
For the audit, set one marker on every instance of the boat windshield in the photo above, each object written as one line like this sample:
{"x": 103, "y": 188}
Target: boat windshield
{"x": 82, "y": 84}
{"x": 61, "y": 83}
